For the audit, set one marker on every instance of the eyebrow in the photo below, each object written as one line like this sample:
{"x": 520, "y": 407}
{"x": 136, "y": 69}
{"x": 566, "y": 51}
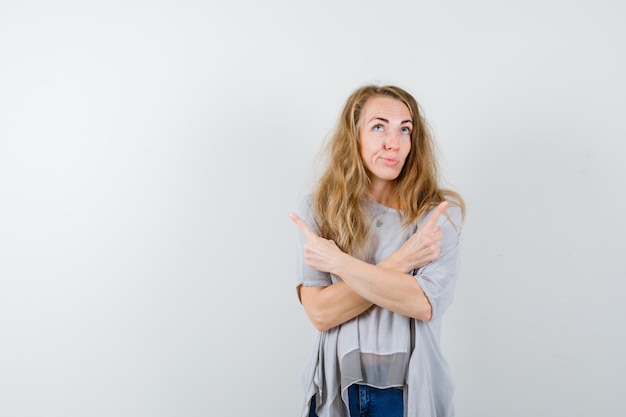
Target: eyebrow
{"x": 387, "y": 121}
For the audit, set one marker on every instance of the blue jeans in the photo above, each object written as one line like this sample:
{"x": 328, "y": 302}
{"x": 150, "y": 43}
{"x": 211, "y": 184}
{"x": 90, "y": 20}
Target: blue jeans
{"x": 365, "y": 401}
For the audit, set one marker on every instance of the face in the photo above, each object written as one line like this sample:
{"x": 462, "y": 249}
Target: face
{"x": 384, "y": 138}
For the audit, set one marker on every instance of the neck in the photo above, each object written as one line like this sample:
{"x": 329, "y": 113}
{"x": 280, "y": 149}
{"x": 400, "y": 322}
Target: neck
{"x": 381, "y": 193}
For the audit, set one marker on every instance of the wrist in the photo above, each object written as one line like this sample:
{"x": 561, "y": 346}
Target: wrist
{"x": 391, "y": 263}
{"x": 341, "y": 265}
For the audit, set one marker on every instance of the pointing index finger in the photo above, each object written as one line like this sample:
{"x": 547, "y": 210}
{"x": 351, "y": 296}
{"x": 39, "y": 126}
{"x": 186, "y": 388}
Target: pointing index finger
{"x": 301, "y": 224}
{"x": 432, "y": 220}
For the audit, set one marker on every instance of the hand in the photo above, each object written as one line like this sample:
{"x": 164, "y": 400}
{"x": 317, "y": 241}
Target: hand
{"x": 319, "y": 253}
{"x": 424, "y": 245}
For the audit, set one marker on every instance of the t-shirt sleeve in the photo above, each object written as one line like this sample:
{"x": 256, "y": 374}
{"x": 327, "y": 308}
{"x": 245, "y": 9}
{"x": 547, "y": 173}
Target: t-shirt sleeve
{"x": 306, "y": 276}
{"x": 438, "y": 278}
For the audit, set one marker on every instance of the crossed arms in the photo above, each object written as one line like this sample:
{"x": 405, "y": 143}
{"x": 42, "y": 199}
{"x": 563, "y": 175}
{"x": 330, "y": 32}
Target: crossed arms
{"x": 386, "y": 284}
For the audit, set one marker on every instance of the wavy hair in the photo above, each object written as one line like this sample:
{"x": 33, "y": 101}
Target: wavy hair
{"x": 344, "y": 182}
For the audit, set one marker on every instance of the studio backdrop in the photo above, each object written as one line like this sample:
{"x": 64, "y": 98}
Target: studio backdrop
{"x": 150, "y": 153}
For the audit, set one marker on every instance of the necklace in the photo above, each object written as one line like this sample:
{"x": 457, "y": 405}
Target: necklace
{"x": 379, "y": 219}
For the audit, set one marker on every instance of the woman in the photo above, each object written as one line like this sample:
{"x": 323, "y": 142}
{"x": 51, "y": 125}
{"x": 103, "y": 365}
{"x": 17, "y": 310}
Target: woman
{"x": 378, "y": 264}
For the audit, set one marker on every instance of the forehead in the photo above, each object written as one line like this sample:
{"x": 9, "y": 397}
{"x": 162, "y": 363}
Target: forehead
{"x": 386, "y": 107}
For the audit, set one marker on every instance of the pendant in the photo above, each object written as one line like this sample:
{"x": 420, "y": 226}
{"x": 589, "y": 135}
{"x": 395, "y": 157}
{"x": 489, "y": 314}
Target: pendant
{"x": 379, "y": 222}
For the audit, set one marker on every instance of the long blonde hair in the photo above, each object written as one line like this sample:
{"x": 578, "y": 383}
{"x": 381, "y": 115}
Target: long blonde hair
{"x": 338, "y": 196}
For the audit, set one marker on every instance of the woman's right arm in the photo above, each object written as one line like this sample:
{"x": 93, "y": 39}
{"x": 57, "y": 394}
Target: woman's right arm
{"x": 330, "y": 306}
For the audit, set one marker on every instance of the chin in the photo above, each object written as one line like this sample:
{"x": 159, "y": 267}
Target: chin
{"x": 390, "y": 176}
{"x": 387, "y": 177}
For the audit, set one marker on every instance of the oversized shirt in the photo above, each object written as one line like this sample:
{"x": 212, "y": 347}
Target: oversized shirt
{"x": 381, "y": 348}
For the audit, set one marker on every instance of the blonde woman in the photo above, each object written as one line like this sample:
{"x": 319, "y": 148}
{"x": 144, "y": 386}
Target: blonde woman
{"x": 378, "y": 264}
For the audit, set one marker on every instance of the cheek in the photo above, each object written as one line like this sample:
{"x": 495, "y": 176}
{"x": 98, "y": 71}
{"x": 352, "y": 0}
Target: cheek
{"x": 406, "y": 149}
{"x": 361, "y": 152}
{"x": 364, "y": 151}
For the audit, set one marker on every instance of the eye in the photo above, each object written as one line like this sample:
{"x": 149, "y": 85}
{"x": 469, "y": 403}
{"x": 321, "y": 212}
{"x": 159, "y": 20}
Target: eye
{"x": 377, "y": 128}
{"x": 405, "y": 130}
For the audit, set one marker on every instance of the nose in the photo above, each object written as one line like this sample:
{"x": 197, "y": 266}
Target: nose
{"x": 392, "y": 141}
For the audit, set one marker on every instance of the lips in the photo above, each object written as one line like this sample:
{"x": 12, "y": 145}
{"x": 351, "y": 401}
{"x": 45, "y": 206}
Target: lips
{"x": 389, "y": 161}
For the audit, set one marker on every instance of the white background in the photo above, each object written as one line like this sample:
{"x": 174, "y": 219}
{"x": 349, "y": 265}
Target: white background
{"x": 150, "y": 152}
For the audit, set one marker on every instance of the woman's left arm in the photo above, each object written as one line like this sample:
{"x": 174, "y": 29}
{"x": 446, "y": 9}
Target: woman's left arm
{"x": 399, "y": 292}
